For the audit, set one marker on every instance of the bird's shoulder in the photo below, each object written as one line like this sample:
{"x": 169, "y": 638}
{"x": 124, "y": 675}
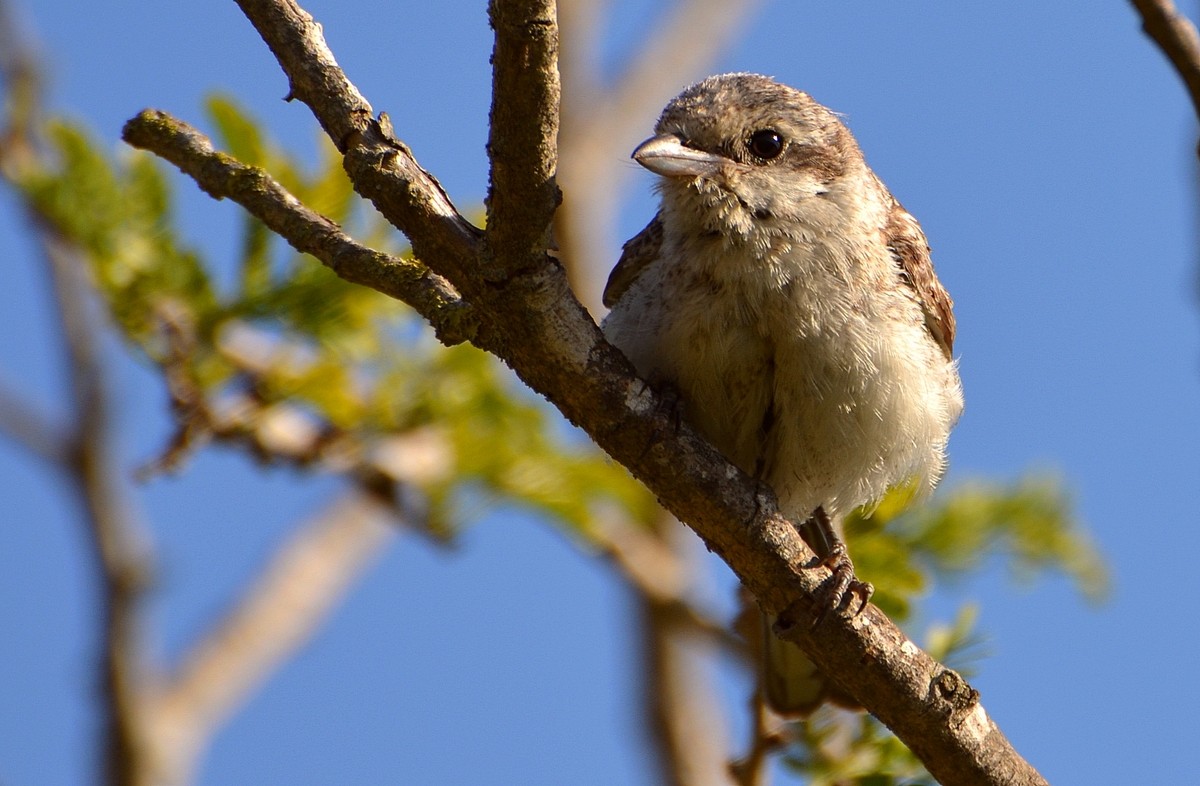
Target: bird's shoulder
{"x": 910, "y": 250}
{"x": 636, "y": 255}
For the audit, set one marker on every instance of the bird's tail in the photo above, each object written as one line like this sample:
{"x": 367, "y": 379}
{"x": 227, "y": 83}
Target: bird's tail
{"x": 792, "y": 685}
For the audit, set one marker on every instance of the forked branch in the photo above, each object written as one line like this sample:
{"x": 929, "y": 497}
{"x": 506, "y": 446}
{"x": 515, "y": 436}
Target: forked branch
{"x": 528, "y": 316}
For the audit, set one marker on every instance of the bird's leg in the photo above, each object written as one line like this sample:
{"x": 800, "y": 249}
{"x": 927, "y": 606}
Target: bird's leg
{"x": 843, "y": 585}
{"x": 670, "y": 409}
{"x": 670, "y": 404}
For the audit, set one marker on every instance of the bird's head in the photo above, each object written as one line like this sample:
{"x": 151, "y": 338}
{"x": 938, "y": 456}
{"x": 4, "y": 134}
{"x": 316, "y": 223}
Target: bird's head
{"x": 743, "y": 155}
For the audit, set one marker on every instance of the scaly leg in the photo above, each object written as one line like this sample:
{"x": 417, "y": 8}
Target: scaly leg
{"x": 842, "y": 585}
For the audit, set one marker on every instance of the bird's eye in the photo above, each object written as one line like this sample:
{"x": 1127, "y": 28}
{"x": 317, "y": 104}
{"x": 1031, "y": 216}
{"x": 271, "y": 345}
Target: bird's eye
{"x": 766, "y": 144}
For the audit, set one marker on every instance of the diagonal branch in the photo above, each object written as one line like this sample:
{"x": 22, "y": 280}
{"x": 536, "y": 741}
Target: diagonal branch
{"x": 32, "y": 429}
{"x": 641, "y": 557}
{"x": 307, "y": 577}
{"x": 602, "y": 123}
{"x": 306, "y": 230}
{"x": 533, "y": 322}
{"x": 1177, "y": 39}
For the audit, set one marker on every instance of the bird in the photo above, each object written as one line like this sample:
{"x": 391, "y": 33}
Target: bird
{"x": 789, "y": 302}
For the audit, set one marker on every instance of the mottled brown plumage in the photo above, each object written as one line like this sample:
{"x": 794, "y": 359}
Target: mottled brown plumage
{"x": 638, "y": 252}
{"x": 791, "y": 302}
{"x": 908, "y": 245}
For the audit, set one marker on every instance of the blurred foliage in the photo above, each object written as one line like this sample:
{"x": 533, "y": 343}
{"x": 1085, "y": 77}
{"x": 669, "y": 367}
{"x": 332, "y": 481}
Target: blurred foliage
{"x": 902, "y": 548}
{"x": 363, "y": 365}
{"x": 837, "y": 748}
{"x": 354, "y": 360}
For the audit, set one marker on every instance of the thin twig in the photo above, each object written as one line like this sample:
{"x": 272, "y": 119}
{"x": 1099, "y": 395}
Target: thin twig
{"x": 382, "y": 167}
{"x": 305, "y": 229}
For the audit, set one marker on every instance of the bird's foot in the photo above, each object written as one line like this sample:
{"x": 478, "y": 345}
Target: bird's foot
{"x": 670, "y": 406}
{"x": 668, "y": 415}
{"x": 843, "y": 588}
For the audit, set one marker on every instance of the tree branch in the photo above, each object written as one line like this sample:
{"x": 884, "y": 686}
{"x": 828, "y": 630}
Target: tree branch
{"x": 523, "y": 141}
{"x": 120, "y": 546}
{"x": 83, "y": 450}
{"x": 376, "y": 161}
{"x": 30, "y": 428}
{"x": 602, "y": 123}
{"x": 307, "y": 231}
{"x": 289, "y": 599}
{"x": 1177, "y": 39}
{"x": 681, "y": 711}
{"x": 533, "y": 322}
{"x": 765, "y": 737}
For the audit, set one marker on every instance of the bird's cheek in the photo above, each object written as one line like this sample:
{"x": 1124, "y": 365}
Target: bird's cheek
{"x": 759, "y": 194}
{"x": 731, "y": 177}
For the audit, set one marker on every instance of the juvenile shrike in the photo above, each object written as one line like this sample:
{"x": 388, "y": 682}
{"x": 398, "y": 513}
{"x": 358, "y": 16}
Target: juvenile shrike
{"x": 790, "y": 301}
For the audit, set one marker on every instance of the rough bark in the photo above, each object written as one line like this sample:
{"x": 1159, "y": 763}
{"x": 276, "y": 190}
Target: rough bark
{"x": 528, "y": 316}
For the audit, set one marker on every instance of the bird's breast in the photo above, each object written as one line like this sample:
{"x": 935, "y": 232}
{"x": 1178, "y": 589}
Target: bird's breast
{"x": 804, "y": 371}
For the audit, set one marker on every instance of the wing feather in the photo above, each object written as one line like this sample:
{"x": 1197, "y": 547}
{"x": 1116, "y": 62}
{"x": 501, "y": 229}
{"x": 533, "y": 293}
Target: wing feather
{"x": 910, "y": 249}
{"x": 636, "y": 255}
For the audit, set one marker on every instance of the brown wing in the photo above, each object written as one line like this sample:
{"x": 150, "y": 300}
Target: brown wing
{"x": 911, "y": 251}
{"x": 637, "y": 253}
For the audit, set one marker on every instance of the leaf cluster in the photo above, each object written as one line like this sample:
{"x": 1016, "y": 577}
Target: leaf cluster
{"x": 285, "y": 331}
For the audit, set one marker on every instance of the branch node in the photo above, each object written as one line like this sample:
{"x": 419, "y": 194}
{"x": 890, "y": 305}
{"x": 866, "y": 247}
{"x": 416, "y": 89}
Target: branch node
{"x": 960, "y": 698}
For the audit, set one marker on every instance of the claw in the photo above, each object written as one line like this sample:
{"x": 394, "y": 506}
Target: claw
{"x": 842, "y": 586}
{"x": 670, "y": 409}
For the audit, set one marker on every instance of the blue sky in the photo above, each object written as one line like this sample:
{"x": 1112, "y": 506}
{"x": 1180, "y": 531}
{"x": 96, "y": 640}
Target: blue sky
{"x": 1047, "y": 150}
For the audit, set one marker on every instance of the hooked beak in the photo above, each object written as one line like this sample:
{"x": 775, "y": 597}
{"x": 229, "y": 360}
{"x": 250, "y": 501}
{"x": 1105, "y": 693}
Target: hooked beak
{"x": 666, "y": 155}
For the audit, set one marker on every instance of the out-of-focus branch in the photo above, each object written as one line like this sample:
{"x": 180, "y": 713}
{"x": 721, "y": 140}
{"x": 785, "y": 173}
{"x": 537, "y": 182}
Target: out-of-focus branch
{"x": 681, "y": 709}
{"x": 84, "y": 450}
{"x": 152, "y": 731}
{"x": 1177, "y": 38}
{"x": 282, "y": 432}
{"x": 306, "y": 578}
{"x": 655, "y": 567}
{"x": 601, "y": 124}
{"x": 32, "y": 429}
{"x": 121, "y": 547}
{"x": 155, "y": 730}
{"x": 765, "y": 737}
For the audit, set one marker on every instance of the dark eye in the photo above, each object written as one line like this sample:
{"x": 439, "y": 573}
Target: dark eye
{"x": 766, "y": 144}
